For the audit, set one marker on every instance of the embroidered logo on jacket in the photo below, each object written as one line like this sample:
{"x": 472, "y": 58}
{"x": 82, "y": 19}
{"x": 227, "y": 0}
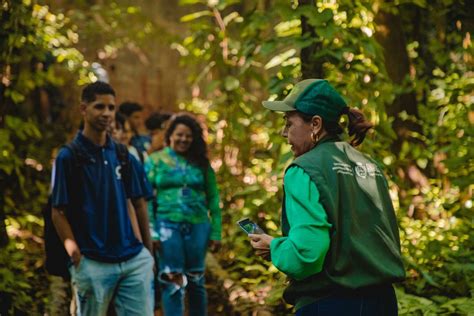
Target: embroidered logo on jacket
{"x": 361, "y": 170}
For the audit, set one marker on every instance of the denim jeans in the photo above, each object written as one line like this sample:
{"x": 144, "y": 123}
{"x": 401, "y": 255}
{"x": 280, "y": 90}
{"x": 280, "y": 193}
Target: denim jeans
{"x": 376, "y": 302}
{"x": 128, "y": 284}
{"x": 183, "y": 251}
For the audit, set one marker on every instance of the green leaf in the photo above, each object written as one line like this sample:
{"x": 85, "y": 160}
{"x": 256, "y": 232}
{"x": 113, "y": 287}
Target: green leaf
{"x": 187, "y": 2}
{"x": 231, "y": 83}
{"x": 247, "y": 191}
{"x": 319, "y": 19}
{"x": 17, "y": 97}
{"x": 369, "y": 48}
{"x": 195, "y": 15}
{"x": 325, "y": 16}
{"x": 230, "y": 17}
{"x": 326, "y": 32}
{"x": 280, "y": 58}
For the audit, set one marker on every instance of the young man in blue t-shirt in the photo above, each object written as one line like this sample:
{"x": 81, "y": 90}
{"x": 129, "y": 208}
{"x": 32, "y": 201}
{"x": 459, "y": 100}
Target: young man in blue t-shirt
{"x": 108, "y": 261}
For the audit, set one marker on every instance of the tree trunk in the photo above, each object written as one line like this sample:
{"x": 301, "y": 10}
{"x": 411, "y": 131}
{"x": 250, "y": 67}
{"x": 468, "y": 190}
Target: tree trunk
{"x": 389, "y": 34}
{"x": 310, "y": 68}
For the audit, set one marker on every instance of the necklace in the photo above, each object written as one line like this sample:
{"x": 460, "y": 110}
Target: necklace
{"x": 182, "y": 168}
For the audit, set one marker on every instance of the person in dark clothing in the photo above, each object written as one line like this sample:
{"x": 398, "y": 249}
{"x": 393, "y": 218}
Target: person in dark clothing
{"x": 340, "y": 246}
{"x": 156, "y": 126}
{"x": 140, "y": 141}
{"x": 119, "y": 132}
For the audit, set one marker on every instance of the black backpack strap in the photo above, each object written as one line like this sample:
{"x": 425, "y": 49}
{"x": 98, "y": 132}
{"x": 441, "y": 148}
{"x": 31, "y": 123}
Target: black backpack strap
{"x": 78, "y": 154}
{"x": 76, "y": 181}
{"x": 56, "y": 261}
{"x": 124, "y": 160}
{"x": 79, "y": 158}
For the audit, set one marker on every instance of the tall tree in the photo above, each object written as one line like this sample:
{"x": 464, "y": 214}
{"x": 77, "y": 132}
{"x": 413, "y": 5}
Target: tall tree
{"x": 310, "y": 66}
{"x": 389, "y": 34}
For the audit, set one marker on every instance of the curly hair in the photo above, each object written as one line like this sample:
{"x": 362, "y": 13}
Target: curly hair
{"x": 197, "y": 152}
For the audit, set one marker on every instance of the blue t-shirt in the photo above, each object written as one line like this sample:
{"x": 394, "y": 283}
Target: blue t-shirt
{"x": 102, "y": 226}
{"x": 141, "y": 142}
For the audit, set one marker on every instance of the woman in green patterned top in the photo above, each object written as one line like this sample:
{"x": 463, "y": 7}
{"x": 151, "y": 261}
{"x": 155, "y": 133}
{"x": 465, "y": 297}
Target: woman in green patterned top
{"x": 188, "y": 216}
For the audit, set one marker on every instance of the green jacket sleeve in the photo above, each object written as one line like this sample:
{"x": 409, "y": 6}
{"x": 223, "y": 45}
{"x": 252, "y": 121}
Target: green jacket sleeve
{"x": 213, "y": 204}
{"x": 302, "y": 252}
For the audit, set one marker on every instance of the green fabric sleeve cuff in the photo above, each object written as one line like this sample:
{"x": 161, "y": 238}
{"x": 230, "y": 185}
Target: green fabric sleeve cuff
{"x": 274, "y": 254}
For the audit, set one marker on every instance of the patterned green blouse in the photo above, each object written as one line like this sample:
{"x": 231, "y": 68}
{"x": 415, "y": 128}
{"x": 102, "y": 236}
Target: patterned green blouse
{"x": 182, "y": 194}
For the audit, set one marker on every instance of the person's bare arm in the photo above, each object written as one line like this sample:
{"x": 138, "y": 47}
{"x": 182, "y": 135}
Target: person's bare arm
{"x": 65, "y": 234}
{"x": 133, "y": 220}
{"x": 141, "y": 209}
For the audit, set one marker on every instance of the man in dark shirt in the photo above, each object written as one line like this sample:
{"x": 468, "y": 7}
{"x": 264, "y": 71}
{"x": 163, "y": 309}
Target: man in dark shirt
{"x": 108, "y": 261}
{"x": 134, "y": 114}
{"x": 156, "y": 126}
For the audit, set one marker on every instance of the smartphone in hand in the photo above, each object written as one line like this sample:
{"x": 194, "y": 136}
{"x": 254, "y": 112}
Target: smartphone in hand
{"x": 249, "y": 226}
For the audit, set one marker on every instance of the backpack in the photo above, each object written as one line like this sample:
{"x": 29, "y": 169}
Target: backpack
{"x": 56, "y": 261}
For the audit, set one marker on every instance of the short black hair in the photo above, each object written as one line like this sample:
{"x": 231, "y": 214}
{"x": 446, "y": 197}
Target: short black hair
{"x": 90, "y": 92}
{"x": 128, "y": 108}
{"x": 156, "y": 120}
{"x": 120, "y": 120}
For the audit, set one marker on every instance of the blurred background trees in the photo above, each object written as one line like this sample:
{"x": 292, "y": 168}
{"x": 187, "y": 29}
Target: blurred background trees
{"x": 406, "y": 64}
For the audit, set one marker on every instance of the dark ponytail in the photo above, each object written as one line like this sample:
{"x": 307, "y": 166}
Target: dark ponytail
{"x": 358, "y": 125}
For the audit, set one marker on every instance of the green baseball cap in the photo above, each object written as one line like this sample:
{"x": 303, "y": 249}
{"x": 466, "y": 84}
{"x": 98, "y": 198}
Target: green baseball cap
{"x": 311, "y": 97}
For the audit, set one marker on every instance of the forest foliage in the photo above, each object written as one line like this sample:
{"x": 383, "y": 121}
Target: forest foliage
{"x": 237, "y": 54}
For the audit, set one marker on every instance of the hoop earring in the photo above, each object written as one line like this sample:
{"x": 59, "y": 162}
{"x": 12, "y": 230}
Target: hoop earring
{"x": 314, "y": 137}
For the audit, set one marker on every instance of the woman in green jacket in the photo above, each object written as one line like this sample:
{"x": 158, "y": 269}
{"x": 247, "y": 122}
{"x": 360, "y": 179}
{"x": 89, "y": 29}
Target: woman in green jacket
{"x": 340, "y": 246}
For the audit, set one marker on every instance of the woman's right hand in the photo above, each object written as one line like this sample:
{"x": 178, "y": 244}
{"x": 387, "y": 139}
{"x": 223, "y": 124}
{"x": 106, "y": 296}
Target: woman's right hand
{"x": 261, "y": 244}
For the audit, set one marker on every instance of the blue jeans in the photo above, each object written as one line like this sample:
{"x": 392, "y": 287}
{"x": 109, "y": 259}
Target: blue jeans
{"x": 378, "y": 301}
{"x": 182, "y": 254}
{"x": 128, "y": 284}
